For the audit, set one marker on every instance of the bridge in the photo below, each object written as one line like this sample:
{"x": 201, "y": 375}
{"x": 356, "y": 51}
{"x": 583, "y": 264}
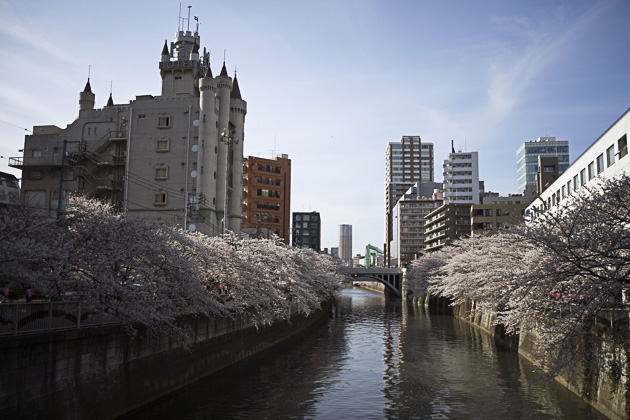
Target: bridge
{"x": 392, "y": 278}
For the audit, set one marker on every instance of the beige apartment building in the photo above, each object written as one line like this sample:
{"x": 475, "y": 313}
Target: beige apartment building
{"x": 267, "y": 196}
{"x": 175, "y": 157}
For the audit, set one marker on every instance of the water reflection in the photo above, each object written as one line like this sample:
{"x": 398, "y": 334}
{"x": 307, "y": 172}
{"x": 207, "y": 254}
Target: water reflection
{"x": 377, "y": 360}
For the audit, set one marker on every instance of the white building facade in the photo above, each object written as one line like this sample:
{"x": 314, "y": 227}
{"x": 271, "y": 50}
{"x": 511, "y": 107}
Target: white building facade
{"x": 461, "y": 178}
{"x": 605, "y": 158}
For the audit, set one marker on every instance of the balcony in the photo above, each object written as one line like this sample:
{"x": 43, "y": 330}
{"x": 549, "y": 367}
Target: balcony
{"x": 21, "y": 162}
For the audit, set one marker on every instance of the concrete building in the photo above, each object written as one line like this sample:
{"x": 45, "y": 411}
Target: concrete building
{"x": 307, "y": 230}
{"x": 408, "y": 223}
{"x": 546, "y": 173}
{"x": 605, "y": 158}
{"x": 461, "y": 178}
{"x": 9, "y": 189}
{"x": 174, "y": 158}
{"x": 267, "y": 195}
{"x": 527, "y": 159}
{"x": 445, "y": 224}
{"x": 495, "y": 213}
{"x": 406, "y": 162}
{"x": 345, "y": 244}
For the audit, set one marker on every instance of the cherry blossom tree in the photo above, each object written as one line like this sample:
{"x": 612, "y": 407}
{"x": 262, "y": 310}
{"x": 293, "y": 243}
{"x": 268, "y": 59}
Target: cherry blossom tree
{"x": 149, "y": 274}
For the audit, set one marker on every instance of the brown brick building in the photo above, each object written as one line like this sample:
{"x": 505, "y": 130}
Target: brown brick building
{"x": 267, "y": 195}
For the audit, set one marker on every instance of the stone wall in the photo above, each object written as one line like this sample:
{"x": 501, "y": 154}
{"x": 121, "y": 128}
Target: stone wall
{"x": 102, "y": 373}
{"x": 603, "y": 396}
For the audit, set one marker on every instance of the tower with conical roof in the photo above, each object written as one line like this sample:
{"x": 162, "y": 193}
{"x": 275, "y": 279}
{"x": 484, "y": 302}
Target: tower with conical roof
{"x": 156, "y": 157}
{"x": 86, "y": 98}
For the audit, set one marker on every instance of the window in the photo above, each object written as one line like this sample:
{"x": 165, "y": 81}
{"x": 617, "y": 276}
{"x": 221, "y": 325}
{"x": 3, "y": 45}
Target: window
{"x": 161, "y": 172}
{"x": 36, "y": 153}
{"x": 622, "y": 146}
{"x": 600, "y": 163}
{"x": 549, "y": 168}
{"x": 161, "y": 145}
{"x": 591, "y": 170}
{"x": 569, "y": 188}
{"x": 142, "y": 116}
{"x": 610, "y": 156}
{"x": 576, "y": 184}
{"x": 164, "y": 121}
{"x": 159, "y": 199}
{"x": 583, "y": 177}
{"x": 564, "y": 191}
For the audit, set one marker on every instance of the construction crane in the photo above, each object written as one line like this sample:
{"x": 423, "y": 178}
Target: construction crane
{"x": 371, "y": 255}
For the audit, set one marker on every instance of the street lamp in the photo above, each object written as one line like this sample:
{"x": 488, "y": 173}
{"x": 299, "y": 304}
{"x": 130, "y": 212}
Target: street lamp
{"x": 227, "y": 139}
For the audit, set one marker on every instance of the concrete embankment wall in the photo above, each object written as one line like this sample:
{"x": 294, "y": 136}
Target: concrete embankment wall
{"x": 102, "y": 373}
{"x": 603, "y": 396}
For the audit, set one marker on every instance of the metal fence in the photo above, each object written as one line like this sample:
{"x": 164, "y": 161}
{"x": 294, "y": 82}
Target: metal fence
{"x": 22, "y": 318}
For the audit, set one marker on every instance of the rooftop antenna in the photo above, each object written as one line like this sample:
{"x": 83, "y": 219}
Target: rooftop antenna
{"x": 179, "y": 17}
{"x": 224, "y": 55}
{"x": 234, "y": 71}
{"x": 188, "y": 28}
{"x": 111, "y": 86}
{"x": 89, "y": 70}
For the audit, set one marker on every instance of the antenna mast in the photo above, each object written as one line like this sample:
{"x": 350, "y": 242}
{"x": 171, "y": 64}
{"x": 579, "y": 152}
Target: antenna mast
{"x": 188, "y": 28}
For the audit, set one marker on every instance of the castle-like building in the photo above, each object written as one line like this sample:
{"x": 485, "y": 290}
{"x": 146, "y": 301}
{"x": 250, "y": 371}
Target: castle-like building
{"x": 175, "y": 158}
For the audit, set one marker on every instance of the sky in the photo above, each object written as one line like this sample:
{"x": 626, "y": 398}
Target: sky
{"x": 332, "y": 82}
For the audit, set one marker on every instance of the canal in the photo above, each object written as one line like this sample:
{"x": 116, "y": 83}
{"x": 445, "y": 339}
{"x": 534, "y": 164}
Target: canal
{"x": 377, "y": 359}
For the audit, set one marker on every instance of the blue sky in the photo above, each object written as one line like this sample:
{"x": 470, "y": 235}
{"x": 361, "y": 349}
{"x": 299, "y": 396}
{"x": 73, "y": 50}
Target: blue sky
{"x": 330, "y": 83}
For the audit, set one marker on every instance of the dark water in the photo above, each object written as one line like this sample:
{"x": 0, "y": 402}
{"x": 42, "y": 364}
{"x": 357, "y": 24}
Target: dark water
{"x": 377, "y": 360}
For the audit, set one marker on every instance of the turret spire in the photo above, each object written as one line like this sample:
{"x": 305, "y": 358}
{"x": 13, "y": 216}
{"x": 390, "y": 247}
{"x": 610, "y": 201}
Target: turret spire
{"x": 236, "y": 92}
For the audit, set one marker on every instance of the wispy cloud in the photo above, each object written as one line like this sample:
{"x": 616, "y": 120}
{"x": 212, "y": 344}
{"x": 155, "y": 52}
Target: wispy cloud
{"x": 531, "y": 48}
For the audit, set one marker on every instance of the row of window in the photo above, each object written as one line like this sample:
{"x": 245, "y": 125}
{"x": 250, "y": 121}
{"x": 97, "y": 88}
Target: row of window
{"x": 603, "y": 161}
{"x": 268, "y": 193}
{"x": 269, "y": 168}
{"x": 268, "y": 181}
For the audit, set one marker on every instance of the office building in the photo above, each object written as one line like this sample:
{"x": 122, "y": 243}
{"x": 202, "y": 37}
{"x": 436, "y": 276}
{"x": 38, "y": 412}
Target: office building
{"x": 176, "y": 158}
{"x": 527, "y": 160}
{"x": 267, "y": 195}
{"x": 406, "y": 162}
{"x": 345, "y": 244}
{"x": 306, "y": 230}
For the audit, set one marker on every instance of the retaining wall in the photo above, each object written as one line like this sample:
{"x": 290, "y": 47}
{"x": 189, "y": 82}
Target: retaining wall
{"x": 102, "y": 373}
{"x": 603, "y": 397}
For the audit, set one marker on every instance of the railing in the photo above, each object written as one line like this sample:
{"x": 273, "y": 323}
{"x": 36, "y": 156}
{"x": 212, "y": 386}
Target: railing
{"x": 39, "y": 317}
{"x": 24, "y": 318}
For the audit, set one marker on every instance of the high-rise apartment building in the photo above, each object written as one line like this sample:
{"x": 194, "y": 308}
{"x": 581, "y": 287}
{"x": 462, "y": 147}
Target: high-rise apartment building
{"x": 174, "y": 158}
{"x": 527, "y": 159}
{"x": 461, "y": 178}
{"x": 406, "y": 162}
{"x": 267, "y": 195}
{"x": 307, "y": 230}
{"x": 345, "y": 244}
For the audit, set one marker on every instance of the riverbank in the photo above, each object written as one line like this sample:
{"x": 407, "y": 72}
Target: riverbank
{"x": 604, "y": 394}
{"x": 103, "y": 373}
